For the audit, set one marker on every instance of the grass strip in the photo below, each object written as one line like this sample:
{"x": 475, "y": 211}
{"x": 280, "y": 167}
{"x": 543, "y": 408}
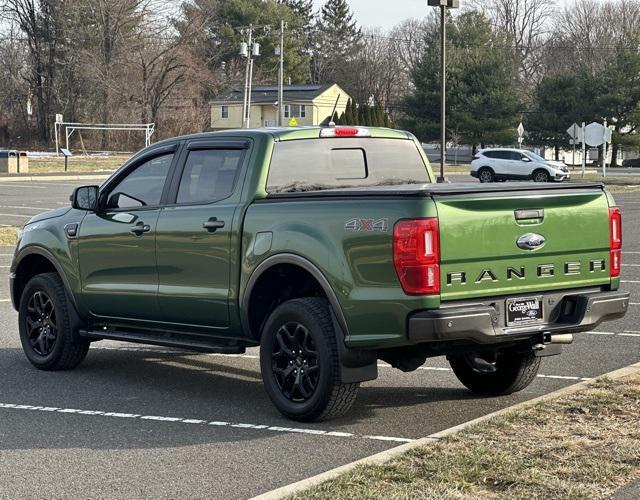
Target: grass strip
{"x": 77, "y": 164}
{"x": 584, "y": 445}
{"x": 8, "y": 236}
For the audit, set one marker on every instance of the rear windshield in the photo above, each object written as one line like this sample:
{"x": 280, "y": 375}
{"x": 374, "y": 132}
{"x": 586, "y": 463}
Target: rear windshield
{"x": 316, "y": 164}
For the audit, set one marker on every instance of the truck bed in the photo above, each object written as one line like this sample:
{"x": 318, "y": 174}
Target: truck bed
{"x": 429, "y": 190}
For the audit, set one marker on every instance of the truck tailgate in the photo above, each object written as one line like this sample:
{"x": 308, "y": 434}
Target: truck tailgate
{"x": 508, "y": 243}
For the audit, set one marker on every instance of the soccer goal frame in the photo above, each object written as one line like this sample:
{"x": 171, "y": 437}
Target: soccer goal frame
{"x": 70, "y": 127}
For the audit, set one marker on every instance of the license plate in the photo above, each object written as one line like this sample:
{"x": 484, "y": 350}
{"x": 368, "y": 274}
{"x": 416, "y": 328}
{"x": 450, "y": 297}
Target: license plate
{"x": 524, "y": 310}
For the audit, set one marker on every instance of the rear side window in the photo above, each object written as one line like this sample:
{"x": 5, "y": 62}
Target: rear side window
{"x": 209, "y": 175}
{"x": 315, "y": 164}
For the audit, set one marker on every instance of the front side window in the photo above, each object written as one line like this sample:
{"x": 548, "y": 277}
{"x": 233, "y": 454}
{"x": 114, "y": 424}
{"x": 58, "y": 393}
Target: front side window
{"x": 224, "y": 111}
{"x": 143, "y": 186}
{"x": 209, "y": 175}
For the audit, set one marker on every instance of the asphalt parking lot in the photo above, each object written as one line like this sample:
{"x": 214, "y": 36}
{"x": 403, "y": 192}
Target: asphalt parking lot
{"x": 136, "y": 421}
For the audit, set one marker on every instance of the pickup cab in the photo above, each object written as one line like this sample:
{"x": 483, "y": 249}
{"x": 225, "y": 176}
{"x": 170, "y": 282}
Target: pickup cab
{"x": 331, "y": 249}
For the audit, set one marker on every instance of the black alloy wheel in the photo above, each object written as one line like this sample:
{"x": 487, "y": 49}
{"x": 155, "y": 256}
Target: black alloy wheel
{"x": 300, "y": 361}
{"x": 295, "y": 362}
{"x": 48, "y": 334}
{"x": 41, "y": 323}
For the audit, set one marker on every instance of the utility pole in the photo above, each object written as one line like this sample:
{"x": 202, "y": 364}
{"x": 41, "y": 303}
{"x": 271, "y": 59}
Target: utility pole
{"x": 244, "y": 51}
{"x": 280, "y": 121}
{"x": 443, "y": 4}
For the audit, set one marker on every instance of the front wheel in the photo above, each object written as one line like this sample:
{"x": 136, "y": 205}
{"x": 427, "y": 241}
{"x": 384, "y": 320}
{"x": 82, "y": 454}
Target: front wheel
{"x": 513, "y": 371}
{"x": 299, "y": 362}
{"x": 486, "y": 175}
{"x": 46, "y": 333}
{"x": 541, "y": 176}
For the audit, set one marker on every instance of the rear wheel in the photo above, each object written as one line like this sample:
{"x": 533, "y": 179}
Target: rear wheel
{"x": 300, "y": 364}
{"x": 513, "y": 372}
{"x": 486, "y": 175}
{"x": 541, "y": 176}
{"x": 45, "y": 327}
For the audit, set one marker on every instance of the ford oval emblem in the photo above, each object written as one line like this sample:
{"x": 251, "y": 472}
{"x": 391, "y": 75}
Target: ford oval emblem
{"x": 530, "y": 241}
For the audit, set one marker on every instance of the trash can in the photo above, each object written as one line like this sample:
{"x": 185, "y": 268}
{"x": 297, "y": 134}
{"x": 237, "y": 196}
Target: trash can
{"x": 23, "y": 162}
{"x": 8, "y": 161}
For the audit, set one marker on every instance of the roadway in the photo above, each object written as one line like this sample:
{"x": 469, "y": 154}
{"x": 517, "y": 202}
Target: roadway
{"x": 138, "y": 421}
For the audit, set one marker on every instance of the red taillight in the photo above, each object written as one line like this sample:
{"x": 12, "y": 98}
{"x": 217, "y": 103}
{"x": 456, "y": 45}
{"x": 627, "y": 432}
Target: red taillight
{"x": 416, "y": 255}
{"x": 615, "y": 241}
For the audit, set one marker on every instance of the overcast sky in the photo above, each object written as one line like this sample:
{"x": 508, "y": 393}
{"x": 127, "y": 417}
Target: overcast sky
{"x": 388, "y": 13}
{"x": 384, "y": 13}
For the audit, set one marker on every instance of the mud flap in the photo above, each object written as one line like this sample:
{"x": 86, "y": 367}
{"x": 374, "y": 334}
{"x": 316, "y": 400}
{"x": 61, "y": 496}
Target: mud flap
{"x": 356, "y": 365}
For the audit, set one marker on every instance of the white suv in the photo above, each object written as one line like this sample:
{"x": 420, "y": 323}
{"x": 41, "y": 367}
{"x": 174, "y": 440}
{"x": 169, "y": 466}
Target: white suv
{"x": 500, "y": 164}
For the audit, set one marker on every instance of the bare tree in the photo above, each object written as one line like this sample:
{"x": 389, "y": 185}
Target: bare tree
{"x": 37, "y": 20}
{"x": 528, "y": 24}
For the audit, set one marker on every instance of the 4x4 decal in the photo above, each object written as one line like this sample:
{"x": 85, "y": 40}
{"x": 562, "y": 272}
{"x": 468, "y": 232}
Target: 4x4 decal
{"x": 366, "y": 224}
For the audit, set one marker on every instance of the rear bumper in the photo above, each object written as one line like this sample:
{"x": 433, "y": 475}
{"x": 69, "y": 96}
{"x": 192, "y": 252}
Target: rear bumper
{"x": 484, "y": 324}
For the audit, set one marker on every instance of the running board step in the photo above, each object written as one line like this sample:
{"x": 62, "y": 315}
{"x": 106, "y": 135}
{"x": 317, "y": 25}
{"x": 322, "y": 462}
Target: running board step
{"x": 176, "y": 340}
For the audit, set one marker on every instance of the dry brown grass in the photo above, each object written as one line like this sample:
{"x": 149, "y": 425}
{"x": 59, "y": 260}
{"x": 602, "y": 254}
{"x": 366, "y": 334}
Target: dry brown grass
{"x": 77, "y": 164}
{"x": 8, "y": 236}
{"x": 585, "y": 445}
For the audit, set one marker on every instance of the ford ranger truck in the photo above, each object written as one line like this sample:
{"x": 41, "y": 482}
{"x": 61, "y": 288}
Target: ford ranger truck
{"x": 330, "y": 248}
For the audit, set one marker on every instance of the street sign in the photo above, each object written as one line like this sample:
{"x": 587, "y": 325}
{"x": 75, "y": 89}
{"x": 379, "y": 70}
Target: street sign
{"x": 594, "y": 134}
{"x": 59, "y": 118}
{"x": 521, "y": 130}
{"x": 575, "y": 132}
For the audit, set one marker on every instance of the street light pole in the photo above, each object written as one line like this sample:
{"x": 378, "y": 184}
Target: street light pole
{"x": 443, "y": 4}
{"x": 443, "y": 91}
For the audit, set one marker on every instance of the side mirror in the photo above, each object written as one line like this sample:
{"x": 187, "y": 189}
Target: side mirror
{"x": 85, "y": 198}
{"x": 526, "y": 159}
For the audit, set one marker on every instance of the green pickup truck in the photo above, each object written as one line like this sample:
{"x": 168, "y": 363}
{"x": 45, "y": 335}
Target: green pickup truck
{"x": 330, "y": 248}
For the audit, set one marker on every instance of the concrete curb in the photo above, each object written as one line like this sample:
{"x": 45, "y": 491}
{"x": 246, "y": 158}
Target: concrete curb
{"x": 74, "y": 177}
{"x": 387, "y": 455}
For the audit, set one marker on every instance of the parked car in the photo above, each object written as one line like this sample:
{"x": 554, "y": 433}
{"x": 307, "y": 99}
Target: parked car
{"x": 500, "y": 164}
{"x": 633, "y": 162}
{"x": 330, "y": 248}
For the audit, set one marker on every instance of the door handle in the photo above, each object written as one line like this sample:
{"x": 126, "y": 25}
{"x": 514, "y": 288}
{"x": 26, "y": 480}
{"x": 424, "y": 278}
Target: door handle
{"x": 212, "y": 224}
{"x": 140, "y": 228}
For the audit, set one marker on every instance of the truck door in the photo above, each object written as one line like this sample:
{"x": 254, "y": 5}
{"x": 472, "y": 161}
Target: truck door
{"x": 196, "y": 234}
{"x": 117, "y": 243}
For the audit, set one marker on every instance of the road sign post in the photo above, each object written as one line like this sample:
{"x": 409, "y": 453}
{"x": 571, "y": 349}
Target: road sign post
{"x": 584, "y": 150}
{"x": 520, "y": 130}
{"x": 576, "y": 134}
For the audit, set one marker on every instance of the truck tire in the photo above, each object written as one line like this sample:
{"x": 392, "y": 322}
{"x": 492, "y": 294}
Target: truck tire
{"x": 47, "y": 337}
{"x": 485, "y": 174}
{"x": 514, "y": 372}
{"x": 300, "y": 363}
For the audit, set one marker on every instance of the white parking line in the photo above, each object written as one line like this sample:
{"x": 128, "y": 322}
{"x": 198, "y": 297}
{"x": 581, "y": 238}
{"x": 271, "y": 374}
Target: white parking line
{"x": 26, "y": 207}
{"x": 193, "y": 421}
{"x": 17, "y": 215}
{"x": 629, "y": 281}
{"x": 630, "y": 265}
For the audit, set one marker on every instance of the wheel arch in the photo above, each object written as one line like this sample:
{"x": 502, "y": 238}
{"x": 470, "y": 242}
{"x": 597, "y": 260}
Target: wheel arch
{"x": 285, "y": 262}
{"x": 31, "y": 261}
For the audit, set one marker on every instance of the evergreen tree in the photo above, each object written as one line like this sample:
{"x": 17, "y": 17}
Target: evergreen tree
{"x": 482, "y": 99}
{"x": 337, "y": 41}
{"x": 336, "y": 118}
{"x": 347, "y": 114}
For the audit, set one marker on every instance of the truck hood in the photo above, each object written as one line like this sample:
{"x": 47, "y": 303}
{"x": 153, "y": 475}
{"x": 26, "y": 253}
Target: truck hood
{"x": 51, "y": 214}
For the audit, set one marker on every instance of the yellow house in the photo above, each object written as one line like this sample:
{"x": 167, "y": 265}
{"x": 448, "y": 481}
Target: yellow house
{"x": 308, "y": 104}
